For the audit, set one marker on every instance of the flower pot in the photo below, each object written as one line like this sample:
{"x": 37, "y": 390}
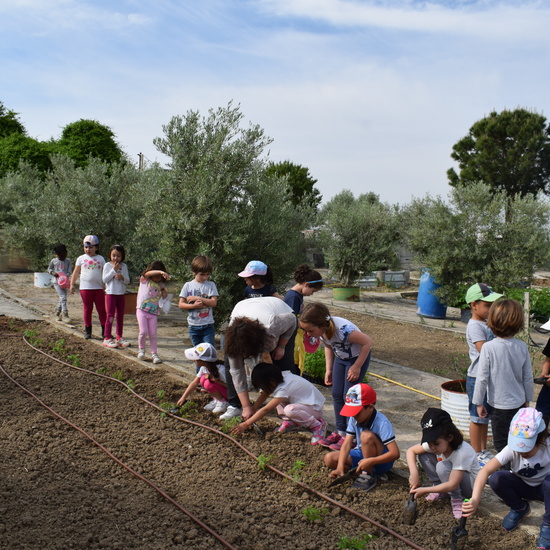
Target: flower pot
{"x": 346, "y": 293}
{"x": 454, "y": 400}
{"x": 130, "y": 303}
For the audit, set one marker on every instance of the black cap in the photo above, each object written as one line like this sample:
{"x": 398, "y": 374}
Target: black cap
{"x": 433, "y": 422}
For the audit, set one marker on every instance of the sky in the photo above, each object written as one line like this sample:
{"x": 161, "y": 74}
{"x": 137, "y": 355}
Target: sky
{"x": 369, "y": 95}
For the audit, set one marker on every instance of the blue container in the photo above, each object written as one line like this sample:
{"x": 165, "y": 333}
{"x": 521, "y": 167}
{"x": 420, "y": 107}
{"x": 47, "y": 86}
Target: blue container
{"x": 427, "y": 304}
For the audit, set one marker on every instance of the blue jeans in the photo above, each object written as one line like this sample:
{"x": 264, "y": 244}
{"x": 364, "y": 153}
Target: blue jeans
{"x": 470, "y": 385}
{"x": 200, "y": 334}
{"x": 341, "y": 385}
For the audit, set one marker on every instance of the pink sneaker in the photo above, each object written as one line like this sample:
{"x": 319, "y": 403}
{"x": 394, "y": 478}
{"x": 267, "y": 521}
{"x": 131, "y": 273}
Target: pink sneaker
{"x": 318, "y": 432}
{"x": 334, "y": 437}
{"x": 338, "y": 445}
{"x": 287, "y": 426}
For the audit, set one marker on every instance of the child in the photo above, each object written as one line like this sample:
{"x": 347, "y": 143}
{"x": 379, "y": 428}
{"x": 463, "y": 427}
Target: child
{"x": 347, "y": 354}
{"x": 308, "y": 281}
{"x": 198, "y": 297}
{"x": 115, "y": 277}
{"x": 61, "y": 264}
{"x": 450, "y": 462}
{"x": 89, "y": 267}
{"x": 375, "y": 450}
{"x": 151, "y": 288}
{"x": 528, "y": 455}
{"x": 259, "y": 279}
{"x": 211, "y": 376}
{"x": 504, "y": 370}
{"x": 298, "y": 402}
{"x": 480, "y": 297}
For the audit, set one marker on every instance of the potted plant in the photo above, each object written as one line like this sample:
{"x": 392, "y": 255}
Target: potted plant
{"x": 359, "y": 235}
{"x": 315, "y": 367}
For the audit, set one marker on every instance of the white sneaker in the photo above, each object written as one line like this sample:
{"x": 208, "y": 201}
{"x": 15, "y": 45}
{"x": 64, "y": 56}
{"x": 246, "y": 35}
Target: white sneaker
{"x": 109, "y": 343}
{"x": 221, "y": 407}
{"x": 211, "y": 406}
{"x": 141, "y": 354}
{"x": 121, "y": 343}
{"x": 66, "y": 318}
{"x": 231, "y": 412}
{"x": 58, "y": 316}
{"x": 156, "y": 359}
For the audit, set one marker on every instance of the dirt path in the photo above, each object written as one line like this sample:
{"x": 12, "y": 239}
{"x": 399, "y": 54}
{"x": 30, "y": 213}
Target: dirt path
{"x": 58, "y": 491}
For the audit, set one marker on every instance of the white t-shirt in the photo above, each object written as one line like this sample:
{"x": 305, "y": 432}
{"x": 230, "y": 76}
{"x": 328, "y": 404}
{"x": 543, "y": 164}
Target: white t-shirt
{"x": 203, "y": 371}
{"x": 298, "y": 390}
{"x": 203, "y": 316}
{"x": 91, "y": 271}
{"x": 342, "y": 348}
{"x": 531, "y": 470}
{"x": 464, "y": 458}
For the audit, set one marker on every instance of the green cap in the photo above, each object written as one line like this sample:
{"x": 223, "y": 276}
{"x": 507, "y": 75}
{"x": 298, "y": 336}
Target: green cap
{"x": 481, "y": 291}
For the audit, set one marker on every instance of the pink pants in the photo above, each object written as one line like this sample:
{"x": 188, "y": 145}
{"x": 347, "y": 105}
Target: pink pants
{"x": 211, "y": 387}
{"x": 303, "y": 415}
{"x": 115, "y": 308}
{"x": 147, "y": 327}
{"x": 89, "y": 298}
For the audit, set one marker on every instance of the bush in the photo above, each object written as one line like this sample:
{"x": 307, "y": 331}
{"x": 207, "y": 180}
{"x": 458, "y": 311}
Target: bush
{"x": 314, "y": 363}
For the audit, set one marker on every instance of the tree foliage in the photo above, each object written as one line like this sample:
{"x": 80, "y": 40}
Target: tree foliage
{"x": 468, "y": 238}
{"x": 509, "y": 151}
{"x": 17, "y": 148}
{"x": 217, "y": 200}
{"x": 359, "y": 234}
{"x": 10, "y": 123}
{"x": 88, "y": 138}
{"x": 300, "y": 183}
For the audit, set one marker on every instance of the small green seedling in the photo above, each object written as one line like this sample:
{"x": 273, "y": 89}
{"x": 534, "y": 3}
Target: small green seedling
{"x": 32, "y": 337}
{"x": 102, "y": 370}
{"x": 229, "y": 424}
{"x": 59, "y": 346}
{"x": 296, "y": 469}
{"x": 315, "y": 514}
{"x": 118, "y": 375}
{"x": 74, "y": 360}
{"x": 131, "y": 385}
{"x": 160, "y": 394}
{"x": 355, "y": 543}
{"x": 263, "y": 461}
{"x": 166, "y": 406}
{"x": 189, "y": 408}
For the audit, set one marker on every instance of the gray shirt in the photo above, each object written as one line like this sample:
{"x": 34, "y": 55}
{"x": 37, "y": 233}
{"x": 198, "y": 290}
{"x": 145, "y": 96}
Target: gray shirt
{"x": 476, "y": 331}
{"x": 504, "y": 372}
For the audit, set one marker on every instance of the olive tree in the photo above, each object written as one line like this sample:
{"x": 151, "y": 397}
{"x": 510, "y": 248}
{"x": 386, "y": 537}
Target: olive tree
{"x": 468, "y": 239}
{"x": 359, "y": 234}
{"x": 217, "y": 200}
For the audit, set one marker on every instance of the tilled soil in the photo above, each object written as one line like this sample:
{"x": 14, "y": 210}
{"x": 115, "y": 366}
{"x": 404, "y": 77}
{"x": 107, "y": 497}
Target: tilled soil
{"x": 60, "y": 491}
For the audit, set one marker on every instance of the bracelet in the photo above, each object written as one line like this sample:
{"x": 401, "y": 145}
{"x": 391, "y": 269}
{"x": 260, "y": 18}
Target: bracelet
{"x": 246, "y": 423}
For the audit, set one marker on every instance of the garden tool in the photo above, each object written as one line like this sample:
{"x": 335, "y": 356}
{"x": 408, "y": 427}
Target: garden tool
{"x": 409, "y": 512}
{"x": 458, "y": 532}
{"x": 540, "y": 380}
{"x": 352, "y": 474}
{"x": 258, "y": 430}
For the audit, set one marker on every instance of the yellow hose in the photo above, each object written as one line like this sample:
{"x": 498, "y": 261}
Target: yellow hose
{"x": 403, "y": 385}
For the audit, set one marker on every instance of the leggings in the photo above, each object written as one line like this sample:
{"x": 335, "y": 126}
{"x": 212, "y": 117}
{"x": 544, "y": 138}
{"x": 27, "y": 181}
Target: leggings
{"x": 341, "y": 385}
{"x": 212, "y": 386}
{"x": 147, "y": 327}
{"x": 115, "y": 309}
{"x": 439, "y": 472}
{"x": 89, "y": 299}
{"x": 303, "y": 415}
{"x": 62, "y": 293}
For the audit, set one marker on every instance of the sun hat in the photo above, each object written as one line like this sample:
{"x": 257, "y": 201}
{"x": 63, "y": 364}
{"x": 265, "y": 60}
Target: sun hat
{"x": 91, "y": 240}
{"x": 433, "y": 422}
{"x": 358, "y": 396}
{"x": 524, "y": 428}
{"x": 255, "y": 267}
{"x": 483, "y": 292}
{"x": 205, "y": 352}
{"x": 62, "y": 280}
{"x": 311, "y": 343}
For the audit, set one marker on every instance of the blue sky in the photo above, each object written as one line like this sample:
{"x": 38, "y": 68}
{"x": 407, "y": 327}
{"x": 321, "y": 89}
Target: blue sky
{"x": 369, "y": 95}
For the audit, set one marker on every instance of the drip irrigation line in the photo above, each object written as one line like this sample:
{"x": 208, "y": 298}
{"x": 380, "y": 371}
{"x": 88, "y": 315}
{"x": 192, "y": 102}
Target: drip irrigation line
{"x": 158, "y": 489}
{"x": 403, "y": 385}
{"x": 323, "y": 496}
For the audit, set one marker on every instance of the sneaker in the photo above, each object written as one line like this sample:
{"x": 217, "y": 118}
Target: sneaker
{"x": 382, "y": 477}
{"x": 318, "y": 432}
{"x": 512, "y": 518}
{"x": 141, "y": 354}
{"x": 156, "y": 359}
{"x": 231, "y": 412}
{"x": 365, "y": 482}
{"x": 66, "y": 318}
{"x": 121, "y": 343}
{"x": 287, "y": 426}
{"x": 221, "y": 407}
{"x": 544, "y": 538}
{"x": 433, "y": 497}
{"x": 58, "y": 316}
{"x": 211, "y": 406}
{"x": 334, "y": 437}
{"x": 456, "y": 505}
{"x": 109, "y": 343}
{"x": 338, "y": 445}
{"x": 484, "y": 457}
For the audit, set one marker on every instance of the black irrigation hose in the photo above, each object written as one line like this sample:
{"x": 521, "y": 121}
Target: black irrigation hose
{"x": 218, "y": 432}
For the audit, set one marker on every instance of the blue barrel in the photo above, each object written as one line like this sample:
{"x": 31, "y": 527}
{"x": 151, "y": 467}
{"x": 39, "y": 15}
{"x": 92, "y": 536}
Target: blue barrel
{"x": 427, "y": 304}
